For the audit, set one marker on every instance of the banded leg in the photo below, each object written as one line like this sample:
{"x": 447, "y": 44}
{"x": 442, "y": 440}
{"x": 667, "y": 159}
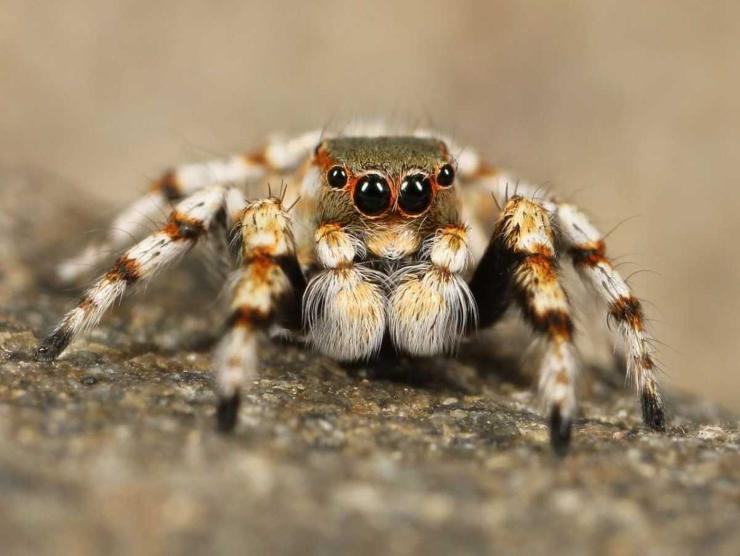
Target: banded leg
{"x": 278, "y": 156}
{"x": 587, "y": 250}
{"x": 485, "y": 189}
{"x": 189, "y": 221}
{"x": 520, "y": 260}
{"x": 344, "y": 307}
{"x": 431, "y": 307}
{"x": 267, "y": 292}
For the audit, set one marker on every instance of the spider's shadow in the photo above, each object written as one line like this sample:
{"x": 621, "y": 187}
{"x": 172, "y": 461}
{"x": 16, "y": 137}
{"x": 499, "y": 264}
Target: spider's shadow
{"x": 464, "y": 373}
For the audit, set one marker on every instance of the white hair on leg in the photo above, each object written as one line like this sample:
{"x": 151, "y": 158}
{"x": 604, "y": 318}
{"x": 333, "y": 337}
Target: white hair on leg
{"x": 431, "y": 307}
{"x": 279, "y": 155}
{"x": 525, "y": 232}
{"x": 268, "y": 281}
{"x": 587, "y": 250}
{"x": 344, "y": 307}
{"x": 191, "y": 218}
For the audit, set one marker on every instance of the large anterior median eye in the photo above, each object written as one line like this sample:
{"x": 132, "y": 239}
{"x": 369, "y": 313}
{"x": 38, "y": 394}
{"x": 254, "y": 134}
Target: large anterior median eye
{"x": 415, "y": 194}
{"x": 372, "y": 195}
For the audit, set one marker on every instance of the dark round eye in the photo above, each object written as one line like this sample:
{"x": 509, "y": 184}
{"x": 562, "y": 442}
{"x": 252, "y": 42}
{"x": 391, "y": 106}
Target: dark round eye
{"x": 372, "y": 195}
{"x": 337, "y": 177}
{"x": 416, "y": 194}
{"x": 446, "y": 175}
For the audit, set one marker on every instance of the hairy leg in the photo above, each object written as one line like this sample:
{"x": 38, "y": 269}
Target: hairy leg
{"x": 190, "y": 220}
{"x": 520, "y": 263}
{"x": 344, "y": 308}
{"x": 587, "y": 250}
{"x": 431, "y": 307}
{"x": 585, "y": 246}
{"x": 267, "y": 292}
{"x": 278, "y": 156}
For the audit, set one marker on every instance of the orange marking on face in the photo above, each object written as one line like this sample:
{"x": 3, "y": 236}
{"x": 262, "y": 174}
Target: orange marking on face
{"x": 401, "y": 241}
{"x": 323, "y": 160}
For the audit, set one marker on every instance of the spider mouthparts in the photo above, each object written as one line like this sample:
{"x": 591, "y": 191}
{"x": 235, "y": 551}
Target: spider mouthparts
{"x": 560, "y": 429}
{"x": 227, "y": 413}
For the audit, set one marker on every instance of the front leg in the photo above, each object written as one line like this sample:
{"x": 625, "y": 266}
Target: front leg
{"x": 520, "y": 263}
{"x": 268, "y": 288}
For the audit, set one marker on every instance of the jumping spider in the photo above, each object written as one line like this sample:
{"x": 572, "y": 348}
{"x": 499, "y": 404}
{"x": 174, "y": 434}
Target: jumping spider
{"x": 374, "y": 247}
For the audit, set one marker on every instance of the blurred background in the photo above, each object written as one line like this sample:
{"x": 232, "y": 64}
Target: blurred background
{"x": 631, "y": 109}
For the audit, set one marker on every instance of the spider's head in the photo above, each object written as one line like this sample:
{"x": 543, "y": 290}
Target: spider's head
{"x": 394, "y": 186}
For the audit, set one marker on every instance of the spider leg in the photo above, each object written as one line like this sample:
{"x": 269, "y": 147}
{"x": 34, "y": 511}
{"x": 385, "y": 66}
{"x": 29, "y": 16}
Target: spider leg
{"x": 344, "y": 306}
{"x": 520, "y": 263}
{"x": 267, "y": 292}
{"x": 431, "y": 307}
{"x": 278, "y": 156}
{"x": 190, "y": 219}
{"x": 587, "y": 250}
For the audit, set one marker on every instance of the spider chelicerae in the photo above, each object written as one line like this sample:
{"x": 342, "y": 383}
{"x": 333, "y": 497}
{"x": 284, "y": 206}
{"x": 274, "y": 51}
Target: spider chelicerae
{"x": 377, "y": 237}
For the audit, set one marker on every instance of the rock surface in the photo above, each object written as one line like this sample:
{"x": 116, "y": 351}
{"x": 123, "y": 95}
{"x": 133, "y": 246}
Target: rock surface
{"x": 112, "y": 449}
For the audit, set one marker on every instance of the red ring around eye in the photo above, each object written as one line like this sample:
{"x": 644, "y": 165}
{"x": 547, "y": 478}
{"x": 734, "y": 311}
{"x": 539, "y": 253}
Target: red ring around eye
{"x": 446, "y": 175}
{"x": 337, "y": 177}
{"x": 372, "y": 195}
{"x": 415, "y": 194}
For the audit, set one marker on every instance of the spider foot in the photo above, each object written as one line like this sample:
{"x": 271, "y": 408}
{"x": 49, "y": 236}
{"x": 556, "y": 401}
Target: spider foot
{"x": 652, "y": 411}
{"x": 50, "y": 347}
{"x": 227, "y": 413}
{"x": 560, "y": 431}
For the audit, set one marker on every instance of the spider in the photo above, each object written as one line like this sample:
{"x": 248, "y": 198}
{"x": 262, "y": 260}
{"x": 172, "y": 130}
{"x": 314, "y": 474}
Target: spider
{"x": 383, "y": 242}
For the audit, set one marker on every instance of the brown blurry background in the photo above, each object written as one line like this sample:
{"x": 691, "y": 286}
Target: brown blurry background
{"x": 632, "y": 107}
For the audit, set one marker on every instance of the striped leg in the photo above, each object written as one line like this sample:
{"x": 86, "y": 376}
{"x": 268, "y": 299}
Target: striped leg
{"x": 278, "y": 156}
{"x": 520, "y": 260}
{"x": 190, "y": 220}
{"x": 267, "y": 292}
{"x": 587, "y": 250}
{"x": 586, "y": 247}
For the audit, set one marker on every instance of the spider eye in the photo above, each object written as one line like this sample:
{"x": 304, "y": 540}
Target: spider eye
{"x": 372, "y": 195}
{"x": 337, "y": 177}
{"x": 446, "y": 175}
{"x": 415, "y": 194}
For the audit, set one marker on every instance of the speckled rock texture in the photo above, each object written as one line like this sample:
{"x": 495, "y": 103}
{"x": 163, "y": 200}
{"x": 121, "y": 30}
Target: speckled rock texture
{"x": 112, "y": 449}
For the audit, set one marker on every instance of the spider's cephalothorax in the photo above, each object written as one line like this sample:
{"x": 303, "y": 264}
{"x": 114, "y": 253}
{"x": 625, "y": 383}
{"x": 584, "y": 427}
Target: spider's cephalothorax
{"x": 375, "y": 237}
